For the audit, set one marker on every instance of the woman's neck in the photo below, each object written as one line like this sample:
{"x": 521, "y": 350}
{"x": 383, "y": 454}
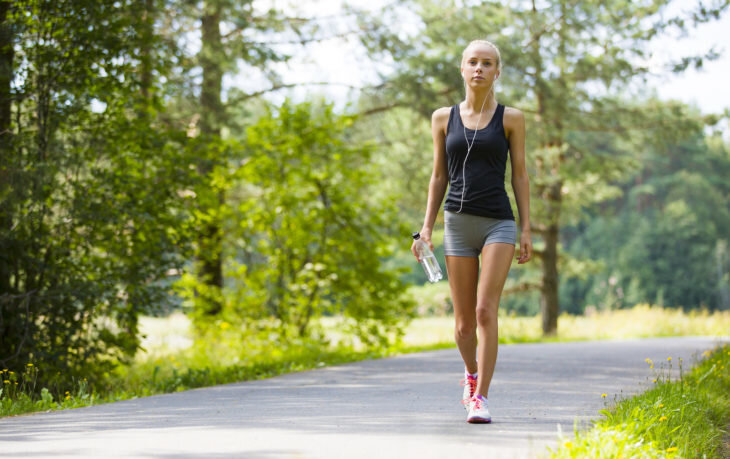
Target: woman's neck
{"x": 480, "y": 101}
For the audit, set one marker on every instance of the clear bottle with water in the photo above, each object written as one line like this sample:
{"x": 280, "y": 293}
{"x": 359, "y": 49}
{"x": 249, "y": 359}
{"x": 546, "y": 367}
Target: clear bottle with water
{"x": 427, "y": 259}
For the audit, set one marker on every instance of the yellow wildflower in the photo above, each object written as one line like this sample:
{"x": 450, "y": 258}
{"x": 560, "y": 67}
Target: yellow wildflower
{"x": 68, "y": 397}
{"x": 568, "y": 444}
{"x": 672, "y": 449}
{"x": 225, "y": 325}
{"x": 661, "y": 405}
{"x": 669, "y": 359}
{"x": 653, "y": 380}
{"x": 5, "y": 370}
{"x": 30, "y": 364}
{"x": 12, "y": 373}
{"x": 6, "y": 381}
{"x": 604, "y": 395}
{"x": 648, "y": 360}
{"x": 663, "y": 418}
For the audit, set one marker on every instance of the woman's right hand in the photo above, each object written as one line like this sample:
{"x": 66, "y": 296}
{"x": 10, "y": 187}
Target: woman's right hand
{"x": 425, "y": 237}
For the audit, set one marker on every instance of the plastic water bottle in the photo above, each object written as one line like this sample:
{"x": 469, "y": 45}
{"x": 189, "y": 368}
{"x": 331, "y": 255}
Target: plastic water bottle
{"x": 427, "y": 259}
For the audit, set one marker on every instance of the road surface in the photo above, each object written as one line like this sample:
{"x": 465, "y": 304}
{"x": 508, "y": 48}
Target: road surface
{"x": 401, "y": 407}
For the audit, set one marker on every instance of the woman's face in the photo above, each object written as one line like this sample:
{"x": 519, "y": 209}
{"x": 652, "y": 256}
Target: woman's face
{"x": 479, "y": 66}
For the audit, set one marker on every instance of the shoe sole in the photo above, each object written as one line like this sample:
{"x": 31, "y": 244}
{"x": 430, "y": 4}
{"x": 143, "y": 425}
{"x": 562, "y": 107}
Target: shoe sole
{"x": 478, "y": 421}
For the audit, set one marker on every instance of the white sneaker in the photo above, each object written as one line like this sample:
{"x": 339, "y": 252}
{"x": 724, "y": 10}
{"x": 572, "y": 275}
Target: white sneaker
{"x": 478, "y": 411}
{"x": 470, "y": 385}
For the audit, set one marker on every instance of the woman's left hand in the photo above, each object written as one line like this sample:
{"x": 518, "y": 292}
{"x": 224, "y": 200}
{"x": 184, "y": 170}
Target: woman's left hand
{"x": 525, "y": 248}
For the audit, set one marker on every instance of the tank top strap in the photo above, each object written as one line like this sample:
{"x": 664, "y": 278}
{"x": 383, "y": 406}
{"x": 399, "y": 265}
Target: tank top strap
{"x": 499, "y": 117}
{"x": 454, "y": 119}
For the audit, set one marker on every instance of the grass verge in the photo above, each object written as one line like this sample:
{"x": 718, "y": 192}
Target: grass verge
{"x": 684, "y": 418}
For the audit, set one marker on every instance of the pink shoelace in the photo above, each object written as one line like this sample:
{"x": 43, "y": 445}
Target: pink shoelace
{"x": 472, "y": 383}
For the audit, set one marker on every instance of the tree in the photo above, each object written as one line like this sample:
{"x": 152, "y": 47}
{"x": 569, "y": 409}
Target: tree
{"x": 305, "y": 238}
{"x": 92, "y": 220}
{"x": 7, "y": 41}
{"x": 234, "y": 36}
{"x": 674, "y": 206}
{"x": 569, "y": 66}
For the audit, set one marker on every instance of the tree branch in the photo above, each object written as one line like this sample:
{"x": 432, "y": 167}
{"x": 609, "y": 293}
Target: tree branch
{"x": 277, "y": 87}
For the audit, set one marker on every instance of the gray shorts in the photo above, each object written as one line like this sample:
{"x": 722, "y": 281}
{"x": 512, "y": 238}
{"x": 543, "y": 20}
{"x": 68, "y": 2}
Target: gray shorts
{"x": 465, "y": 235}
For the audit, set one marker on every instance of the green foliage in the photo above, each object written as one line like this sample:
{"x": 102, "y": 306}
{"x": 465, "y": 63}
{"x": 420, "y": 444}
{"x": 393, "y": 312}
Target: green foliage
{"x": 91, "y": 218}
{"x": 681, "y": 418}
{"x": 235, "y": 36}
{"x": 306, "y": 237}
{"x": 664, "y": 241}
{"x": 432, "y": 300}
{"x": 403, "y": 157}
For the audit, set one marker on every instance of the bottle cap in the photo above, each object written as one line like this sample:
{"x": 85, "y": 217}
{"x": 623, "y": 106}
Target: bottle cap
{"x": 416, "y": 235}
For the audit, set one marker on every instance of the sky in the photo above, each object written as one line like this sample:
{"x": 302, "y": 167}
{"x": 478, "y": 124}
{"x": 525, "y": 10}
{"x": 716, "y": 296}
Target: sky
{"x": 341, "y": 62}
{"x": 708, "y": 87}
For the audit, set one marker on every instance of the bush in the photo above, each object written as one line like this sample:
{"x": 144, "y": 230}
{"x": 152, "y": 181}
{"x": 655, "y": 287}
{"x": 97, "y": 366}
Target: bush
{"x": 306, "y": 238}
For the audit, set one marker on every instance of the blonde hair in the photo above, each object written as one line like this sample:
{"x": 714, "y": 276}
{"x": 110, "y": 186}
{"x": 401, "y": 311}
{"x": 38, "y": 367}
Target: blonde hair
{"x": 483, "y": 42}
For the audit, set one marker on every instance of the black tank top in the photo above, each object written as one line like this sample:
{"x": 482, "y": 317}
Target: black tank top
{"x": 484, "y": 194}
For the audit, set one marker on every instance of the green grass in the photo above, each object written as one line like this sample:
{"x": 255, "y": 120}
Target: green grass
{"x": 684, "y": 418}
{"x": 173, "y": 362}
{"x": 17, "y": 394}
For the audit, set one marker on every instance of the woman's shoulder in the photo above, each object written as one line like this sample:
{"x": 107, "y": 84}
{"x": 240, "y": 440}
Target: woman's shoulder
{"x": 440, "y": 116}
{"x": 441, "y": 113}
{"x": 512, "y": 115}
{"x": 513, "y": 120}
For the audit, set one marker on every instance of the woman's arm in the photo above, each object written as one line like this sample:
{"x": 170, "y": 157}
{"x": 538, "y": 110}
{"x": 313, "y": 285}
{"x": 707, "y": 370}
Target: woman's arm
{"x": 439, "y": 176}
{"x": 514, "y": 123}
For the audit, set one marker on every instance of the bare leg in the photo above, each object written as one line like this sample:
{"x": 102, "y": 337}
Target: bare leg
{"x": 463, "y": 277}
{"x": 496, "y": 261}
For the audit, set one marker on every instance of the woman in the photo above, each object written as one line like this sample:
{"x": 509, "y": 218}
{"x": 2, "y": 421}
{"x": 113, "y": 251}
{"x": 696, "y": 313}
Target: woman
{"x": 471, "y": 141}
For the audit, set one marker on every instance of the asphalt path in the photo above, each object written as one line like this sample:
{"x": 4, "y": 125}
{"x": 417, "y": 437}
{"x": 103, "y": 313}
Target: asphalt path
{"x": 400, "y": 407}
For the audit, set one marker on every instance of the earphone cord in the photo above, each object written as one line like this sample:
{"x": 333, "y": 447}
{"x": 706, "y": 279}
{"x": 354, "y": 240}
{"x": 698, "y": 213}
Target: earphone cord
{"x": 468, "y": 150}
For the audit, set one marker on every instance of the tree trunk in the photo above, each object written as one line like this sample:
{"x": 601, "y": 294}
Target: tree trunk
{"x": 6, "y": 150}
{"x": 549, "y": 303}
{"x": 549, "y": 298}
{"x": 210, "y": 240}
{"x": 146, "y": 37}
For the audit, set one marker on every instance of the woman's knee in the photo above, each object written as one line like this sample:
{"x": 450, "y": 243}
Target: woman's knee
{"x": 465, "y": 329}
{"x": 487, "y": 313}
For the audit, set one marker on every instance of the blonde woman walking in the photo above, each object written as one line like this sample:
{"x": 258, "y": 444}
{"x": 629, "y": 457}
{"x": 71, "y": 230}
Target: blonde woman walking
{"x": 472, "y": 141}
